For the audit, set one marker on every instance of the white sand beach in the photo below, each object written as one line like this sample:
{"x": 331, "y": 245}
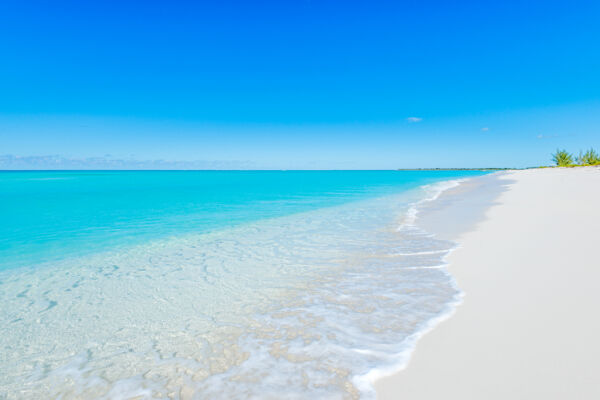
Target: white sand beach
{"x": 529, "y": 326}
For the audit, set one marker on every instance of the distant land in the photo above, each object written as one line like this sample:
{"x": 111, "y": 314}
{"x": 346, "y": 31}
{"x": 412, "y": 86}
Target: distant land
{"x": 459, "y": 169}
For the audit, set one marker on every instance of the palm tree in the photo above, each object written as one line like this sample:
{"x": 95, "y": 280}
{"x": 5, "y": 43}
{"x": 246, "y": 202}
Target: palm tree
{"x": 590, "y": 157}
{"x": 562, "y": 158}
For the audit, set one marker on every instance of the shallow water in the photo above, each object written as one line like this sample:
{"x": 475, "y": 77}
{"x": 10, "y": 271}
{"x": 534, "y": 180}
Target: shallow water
{"x": 313, "y": 298}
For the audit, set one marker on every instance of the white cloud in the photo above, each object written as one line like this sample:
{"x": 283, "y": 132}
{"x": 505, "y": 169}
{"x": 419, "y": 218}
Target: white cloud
{"x": 547, "y": 136}
{"x": 485, "y": 129}
{"x": 414, "y": 119}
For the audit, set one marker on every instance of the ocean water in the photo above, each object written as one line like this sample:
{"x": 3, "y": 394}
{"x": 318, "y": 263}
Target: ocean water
{"x": 215, "y": 284}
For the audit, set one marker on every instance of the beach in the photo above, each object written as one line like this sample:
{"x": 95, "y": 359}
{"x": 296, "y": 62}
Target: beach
{"x": 300, "y": 284}
{"x": 290, "y": 200}
{"x": 527, "y": 263}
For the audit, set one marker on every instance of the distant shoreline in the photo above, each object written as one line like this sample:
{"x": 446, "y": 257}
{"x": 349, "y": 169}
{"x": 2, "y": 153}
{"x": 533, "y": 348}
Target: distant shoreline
{"x": 459, "y": 169}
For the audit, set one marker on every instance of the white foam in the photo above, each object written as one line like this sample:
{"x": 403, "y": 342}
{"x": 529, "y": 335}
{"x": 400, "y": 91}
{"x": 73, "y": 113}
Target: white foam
{"x": 432, "y": 192}
{"x": 420, "y": 253}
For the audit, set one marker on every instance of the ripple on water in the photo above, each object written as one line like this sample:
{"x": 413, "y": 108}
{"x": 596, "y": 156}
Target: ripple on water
{"x": 313, "y": 304}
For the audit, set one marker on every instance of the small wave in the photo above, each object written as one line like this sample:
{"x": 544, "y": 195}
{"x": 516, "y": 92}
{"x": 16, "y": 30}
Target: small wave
{"x": 421, "y": 253}
{"x": 432, "y": 193}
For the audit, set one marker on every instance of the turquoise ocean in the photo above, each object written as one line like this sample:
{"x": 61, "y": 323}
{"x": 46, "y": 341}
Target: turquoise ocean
{"x": 215, "y": 284}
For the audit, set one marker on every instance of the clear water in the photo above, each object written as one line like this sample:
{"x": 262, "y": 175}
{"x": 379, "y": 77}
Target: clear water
{"x": 214, "y": 284}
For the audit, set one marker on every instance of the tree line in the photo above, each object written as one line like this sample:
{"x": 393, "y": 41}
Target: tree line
{"x": 563, "y": 158}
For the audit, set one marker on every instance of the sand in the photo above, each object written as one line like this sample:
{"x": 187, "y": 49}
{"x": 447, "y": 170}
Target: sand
{"x": 528, "y": 263}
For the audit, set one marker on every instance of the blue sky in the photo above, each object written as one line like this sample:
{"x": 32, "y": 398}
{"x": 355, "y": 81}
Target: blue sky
{"x": 300, "y": 84}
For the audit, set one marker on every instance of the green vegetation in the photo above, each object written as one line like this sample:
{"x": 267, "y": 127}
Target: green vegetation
{"x": 562, "y": 158}
{"x": 590, "y": 157}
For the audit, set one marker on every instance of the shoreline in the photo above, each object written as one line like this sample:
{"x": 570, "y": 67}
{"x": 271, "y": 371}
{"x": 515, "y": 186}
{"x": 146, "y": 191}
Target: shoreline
{"x": 423, "y": 216}
{"x": 501, "y": 341}
{"x": 366, "y": 382}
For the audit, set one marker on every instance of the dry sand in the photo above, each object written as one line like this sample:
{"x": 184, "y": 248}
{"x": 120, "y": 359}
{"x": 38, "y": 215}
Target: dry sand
{"x": 529, "y": 325}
